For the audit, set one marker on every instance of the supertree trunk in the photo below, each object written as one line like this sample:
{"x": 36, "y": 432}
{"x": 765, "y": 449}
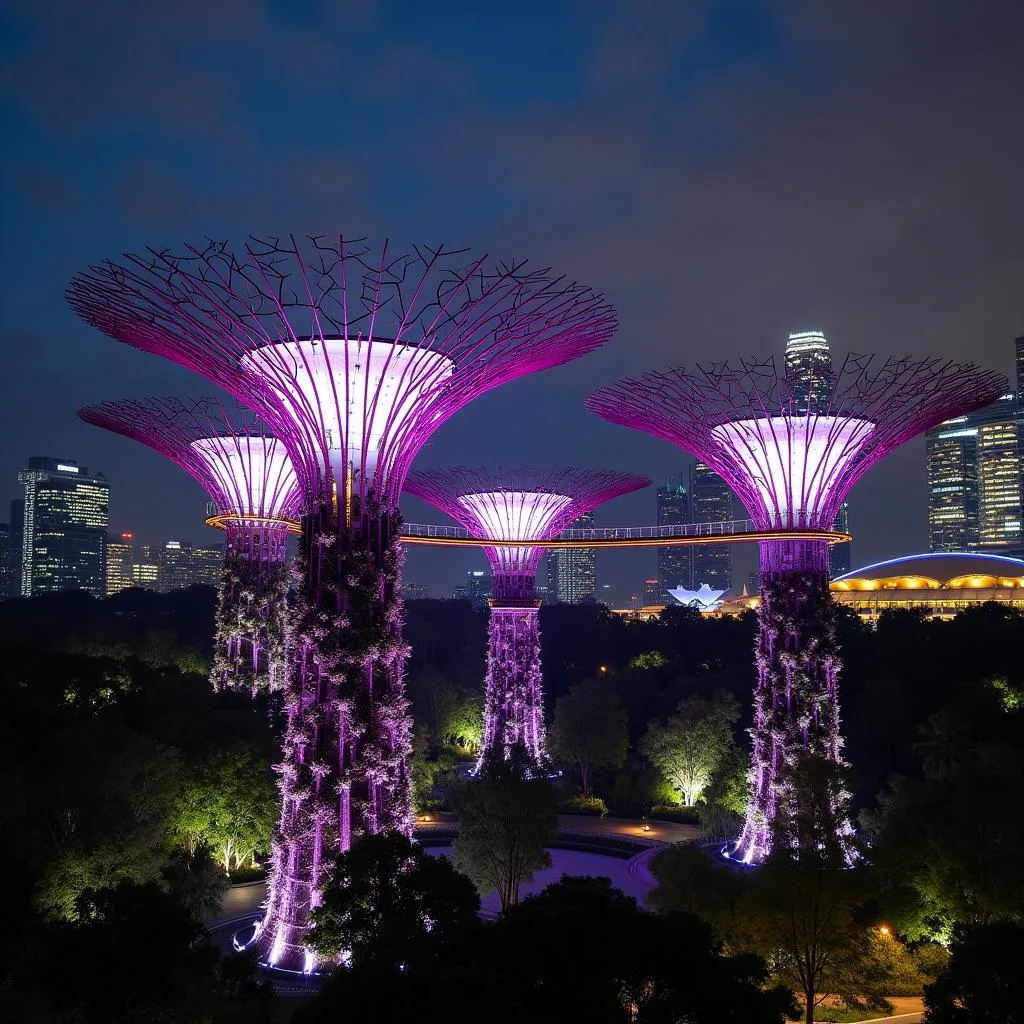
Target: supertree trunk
{"x": 344, "y": 769}
{"x": 249, "y": 643}
{"x": 796, "y": 704}
{"x": 513, "y": 700}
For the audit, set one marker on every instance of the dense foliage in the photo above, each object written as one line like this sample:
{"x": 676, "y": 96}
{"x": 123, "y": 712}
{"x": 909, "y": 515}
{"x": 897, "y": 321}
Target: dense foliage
{"x": 580, "y": 950}
{"x": 124, "y": 777}
{"x": 124, "y": 774}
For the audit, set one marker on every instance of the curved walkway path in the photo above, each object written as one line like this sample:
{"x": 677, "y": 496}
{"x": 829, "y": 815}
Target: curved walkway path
{"x": 242, "y": 902}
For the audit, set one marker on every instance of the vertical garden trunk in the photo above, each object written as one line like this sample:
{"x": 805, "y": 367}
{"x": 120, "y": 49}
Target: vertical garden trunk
{"x": 344, "y": 770}
{"x": 796, "y": 705}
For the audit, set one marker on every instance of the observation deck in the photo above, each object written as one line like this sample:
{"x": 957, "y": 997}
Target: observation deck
{"x": 733, "y": 531}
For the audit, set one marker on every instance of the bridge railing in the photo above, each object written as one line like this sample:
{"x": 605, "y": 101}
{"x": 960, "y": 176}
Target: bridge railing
{"x": 720, "y": 529}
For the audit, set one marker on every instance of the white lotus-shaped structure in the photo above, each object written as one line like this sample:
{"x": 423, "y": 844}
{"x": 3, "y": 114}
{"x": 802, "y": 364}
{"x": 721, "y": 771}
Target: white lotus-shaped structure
{"x": 704, "y": 599}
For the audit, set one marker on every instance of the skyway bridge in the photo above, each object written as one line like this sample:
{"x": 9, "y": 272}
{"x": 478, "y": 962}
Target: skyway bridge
{"x": 733, "y": 531}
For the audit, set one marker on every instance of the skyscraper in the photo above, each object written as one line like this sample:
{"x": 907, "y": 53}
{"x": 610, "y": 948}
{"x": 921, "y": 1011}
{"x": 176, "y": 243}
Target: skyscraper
{"x": 477, "y": 588}
{"x": 809, "y": 369}
{"x": 64, "y": 543}
{"x": 5, "y": 560}
{"x": 674, "y": 563}
{"x": 572, "y": 572}
{"x": 120, "y": 559}
{"x": 999, "y": 511}
{"x": 17, "y": 538}
{"x": 1019, "y": 352}
{"x": 181, "y": 565}
{"x": 840, "y": 558}
{"x": 711, "y": 503}
{"x": 974, "y": 480}
{"x": 951, "y": 450}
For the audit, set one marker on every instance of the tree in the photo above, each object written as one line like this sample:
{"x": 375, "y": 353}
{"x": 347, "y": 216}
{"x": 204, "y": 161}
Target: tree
{"x": 390, "y": 905}
{"x": 691, "y": 745}
{"x": 463, "y": 725}
{"x": 506, "y": 822}
{"x": 196, "y": 882}
{"x": 691, "y": 881}
{"x": 163, "y": 974}
{"x": 582, "y": 950}
{"x": 983, "y": 983}
{"x": 805, "y": 898}
{"x": 944, "y": 745}
{"x": 722, "y": 804}
{"x": 590, "y": 729}
{"x": 104, "y": 794}
{"x": 229, "y": 803}
{"x": 946, "y": 848}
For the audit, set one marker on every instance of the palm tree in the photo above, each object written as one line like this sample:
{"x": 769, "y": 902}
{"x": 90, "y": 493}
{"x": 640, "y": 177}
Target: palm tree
{"x": 945, "y": 744}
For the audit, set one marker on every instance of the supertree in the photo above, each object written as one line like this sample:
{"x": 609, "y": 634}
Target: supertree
{"x": 255, "y": 497}
{"x": 792, "y": 463}
{"x": 516, "y": 505}
{"x": 354, "y": 358}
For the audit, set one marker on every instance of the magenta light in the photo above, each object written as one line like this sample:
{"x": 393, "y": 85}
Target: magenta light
{"x": 249, "y": 479}
{"x": 354, "y": 357}
{"x": 792, "y": 466}
{"x": 519, "y": 504}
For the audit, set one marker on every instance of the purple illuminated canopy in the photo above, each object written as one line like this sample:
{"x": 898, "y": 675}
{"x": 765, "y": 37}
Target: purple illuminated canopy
{"x": 793, "y": 468}
{"x": 245, "y": 471}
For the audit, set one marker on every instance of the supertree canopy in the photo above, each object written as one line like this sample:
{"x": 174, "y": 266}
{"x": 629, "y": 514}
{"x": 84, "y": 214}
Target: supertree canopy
{"x": 792, "y": 462}
{"x": 516, "y": 505}
{"x": 251, "y": 484}
{"x": 354, "y": 358}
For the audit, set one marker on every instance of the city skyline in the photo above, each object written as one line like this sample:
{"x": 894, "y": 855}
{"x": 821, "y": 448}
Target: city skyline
{"x": 880, "y": 241}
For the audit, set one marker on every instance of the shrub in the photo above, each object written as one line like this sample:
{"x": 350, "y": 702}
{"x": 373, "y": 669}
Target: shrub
{"x": 931, "y": 959}
{"x": 580, "y": 804}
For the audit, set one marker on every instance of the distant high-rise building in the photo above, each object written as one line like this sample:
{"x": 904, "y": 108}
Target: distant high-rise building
{"x": 146, "y": 567}
{"x": 175, "y": 567}
{"x": 207, "y": 566}
{"x": 5, "y": 560}
{"x": 1019, "y": 352}
{"x": 181, "y": 565}
{"x": 64, "y": 540}
{"x": 414, "y": 592}
{"x": 809, "y": 371}
{"x": 840, "y": 557}
{"x": 572, "y": 572}
{"x": 999, "y": 497}
{"x": 653, "y": 594}
{"x": 477, "y": 588}
{"x": 15, "y": 555}
{"x": 674, "y": 563}
{"x": 974, "y": 480}
{"x": 951, "y": 450}
{"x": 711, "y": 503}
{"x": 120, "y": 559}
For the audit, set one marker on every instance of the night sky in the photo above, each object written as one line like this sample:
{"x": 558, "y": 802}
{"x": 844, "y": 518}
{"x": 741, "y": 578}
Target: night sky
{"x": 724, "y": 172}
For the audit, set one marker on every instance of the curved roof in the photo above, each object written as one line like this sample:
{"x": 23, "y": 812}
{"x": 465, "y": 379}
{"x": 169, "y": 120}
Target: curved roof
{"x": 940, "y": 567}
